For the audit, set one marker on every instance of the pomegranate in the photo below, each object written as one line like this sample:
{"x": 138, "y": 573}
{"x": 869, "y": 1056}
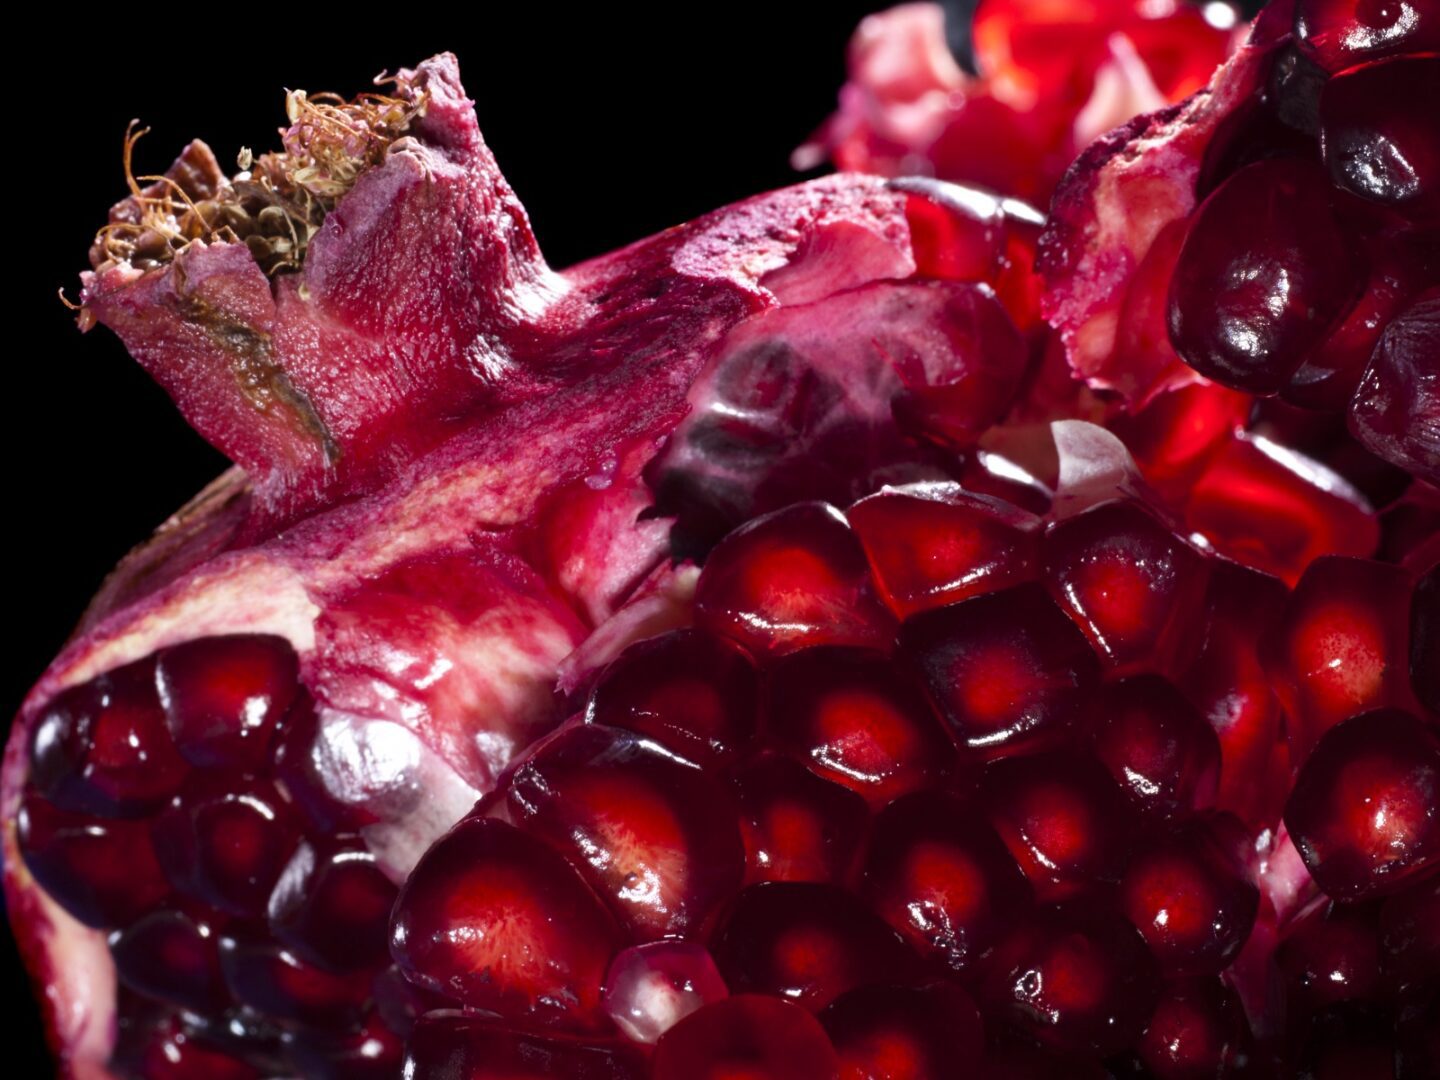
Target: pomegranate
{"x": 744, "y": 653}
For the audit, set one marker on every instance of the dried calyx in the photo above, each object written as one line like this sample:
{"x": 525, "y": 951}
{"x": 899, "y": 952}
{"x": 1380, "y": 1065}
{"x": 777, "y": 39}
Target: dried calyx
{"x": 277, "y": 201}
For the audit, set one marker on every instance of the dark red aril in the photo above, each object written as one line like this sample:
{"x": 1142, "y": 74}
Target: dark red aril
{"x": 266, "y": 977}
{"x": 688, "y": 690}
{"x": 1339, "y": 34}
{"x": 1198, "y": 1031}
{"x": 746, "y": 1037}
{"x": 331, "y": 905}
{"x": 791, "y": 579}
{"x": 905, "y": 1032}
{"x": 856, "y": 720}
{"x": 1008, "y": 670}
{"x": 104, "y": 873}
{"x": 224, "y": 696}
{"x": 456, "y": 1045}
{"x": 373, "y": 1052}
{"x": 102, "y": 747}
{"x": 1330, "y": 955}
{"x": 1425, "y": 639}
{"x": 807, "y": 943}
{"x": 496, "y": 920}
{"x": 1396, "y": 408}
{"x": 652, "y": 987}
{"x": 1265, "y": 269}
{"x": 1410, "y": 935}
{"x": 657, "y": 838}
{"x": 172, "y": 955}
{"x": 165, "y": 1050}
{"x": 1365, "y": 809}
{"x": 797, "y": 827}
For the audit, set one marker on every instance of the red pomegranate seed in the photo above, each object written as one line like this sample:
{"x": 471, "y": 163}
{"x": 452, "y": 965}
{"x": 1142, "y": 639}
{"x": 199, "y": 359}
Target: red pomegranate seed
{"x": 495, "y": 920}
{"x": 1338, "y": 34}
{"x": 399, "y": 1002}
{"x": 268, "y": 978}
{"x": 797, "y": 827}
{"x": 374, "y": 1052}
{"x": 1077, "y": 979}
{"x": 331, "y": 905}
{"x": 693, "y": 693}
{"x": 225, "y": 840}
{"x": 1396, "y": 409}
{"x": 1179, "y": 432}
{"x": 1331, "y": 955}
{"x": 655, "y": 837}
{"x": 1189, "y": 896}
{"x": 905, "y": 1032}
{"x": 1365, "y": 809}
{"x": 1132, "y": 585}
{"x": 937, "y": 872}
{"x": 857, "y": 721}
{"x": 1198, "y": 1030}
{"x": 224, "y": 696}
{"x": 746, "y": 1037}
{"x": 102, "y": 872}
{"x": 321, "y": 789}
{"x": 1157, "y": 746}
{"x": 1354, "y": 1041}
{"x": 1008, "y": 670}
{"x": 1062, "y": 816}
{"x": 451, "y": 1045}
{"x": 789, "y": 580}
{"x": 1425, "y": 639}
{"x": 102, "y": 747}
{"x": 807, "y": 943}
{"x": 1341, "y": 648}
{"x": 1265, "y": 269}
{"x": 172, "y": 955}
{"x": 935, "y": 544}
{"x": 652, "y": 987}
{"x": 1232, "y": 690}
{"x": 167, "y": 1051}
{"x": 1410, "y": 935}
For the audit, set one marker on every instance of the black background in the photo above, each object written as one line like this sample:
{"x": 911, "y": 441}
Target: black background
{"x": 609, "y": 127}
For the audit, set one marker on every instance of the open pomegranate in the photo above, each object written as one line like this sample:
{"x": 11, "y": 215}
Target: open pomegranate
{"x": 749, "y": 653}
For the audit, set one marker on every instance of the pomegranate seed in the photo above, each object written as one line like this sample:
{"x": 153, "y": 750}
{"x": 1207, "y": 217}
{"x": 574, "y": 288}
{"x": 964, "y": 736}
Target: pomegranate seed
{"x": 1010, "y": 1055}
{"x": 1179, "y": 432}
{"x": 168, "y": 1052}
{"x": 499, "y": 922}
{"x": 655, "y": 837}
{"x": 1331, "y": 955}
{"x": 1365, "y": 809}
{"x": 450, "y": 1045}
{"x": 1396, "y": 409}
{"x": 792, "y": 579}
{"x": 1410, "y": 935}
{"x": 938, "y": 874}
{"x": 1425, "y": 639}
{"x": 1230, "y": 687}
{"x": 1341, "y": 648}
{"x": 1188, "y": 895}
{"x": 1062, "y": 816}
{"x": 797, "y": 827}
{"x": 747, "y": 1036}
{"x": 1133, "y": 586}
{"x": 316, "y": 764}
{"x": 858, "y": 722}
{"x": 1349, "y": 1042}
{"x": 104, "y": 873}
{"x": 399, "y": 1002}
{"x": 266, "y": 977}
{"x": 650, "y": 988}
{"x": 693, "y": 693}
{"x": 102, "y": 748}
{"x": 1264, "y": 270}
{"x": 1198, "y": 1029}
{"x": 1338, "y": 34}
{"x": 331, "y": 906}
{"x": 905, "y": 1032}
{"x": 806, "y": 943}
{"x": 225, "y": 840}
{"x": 172, "y": 955}
{"x": 1077, "y": 979}
{"x": 374, "y": 1052}
{"x": 935, "y": 544}
{"x": 1157, "y": 746}
{"x": 1007, "y": 670}
{"x": 224, "y": 696}
{"x": 993, "y": 476}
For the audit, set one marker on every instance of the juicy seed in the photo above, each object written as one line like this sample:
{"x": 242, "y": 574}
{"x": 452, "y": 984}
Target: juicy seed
{"x": 790, "y": 580}
{"x": 939, "y": 874}
{"x": 1008, "y": 670}
{"x": 1339, "y": 34}
{"x": 268, "y": 978}
{"x": 224, "y": 696}
{"x": 655, "y": 837}
{"x": 1132, "y": 585}
{"x": 494, "y": 920}
{"x": 1410, "y": 935}
{"x": 746, "y": 1037}
{"x": 1396, "y": 409}
{"x": 806, "y": 943}
{"x": 858, "y": 722}
{"x": 691, "y": 692}
{"x": 905, "y": 1032}
{"x": 650, "y": 988}
{"x": 1331, "y": 955}
{"x": 374, "y": 1052}
{"x": 797, "y": 827}
{"x": 448, "y": 1045}
{"x": 102, "y": 747}
{"x": 931, "y": 545}
{"x": 172, "y": 956}
{"x": 168, "y": 1052}
{"x": 331, "y": 906}
{"x": 1198, "y": 1030}
{"x": 1425, "y": 639}
{"x": 1365, "y": 810}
